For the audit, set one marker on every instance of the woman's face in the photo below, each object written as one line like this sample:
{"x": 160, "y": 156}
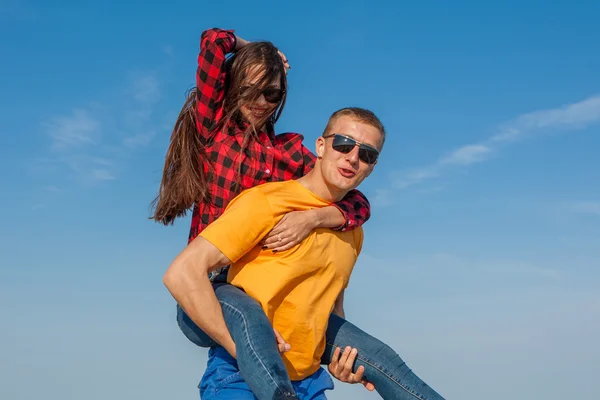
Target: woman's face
{"x": 258, "y": 110}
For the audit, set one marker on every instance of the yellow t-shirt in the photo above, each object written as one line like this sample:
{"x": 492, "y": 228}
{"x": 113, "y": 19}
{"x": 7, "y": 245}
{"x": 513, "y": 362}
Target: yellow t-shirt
{"x": 296, "y": 288}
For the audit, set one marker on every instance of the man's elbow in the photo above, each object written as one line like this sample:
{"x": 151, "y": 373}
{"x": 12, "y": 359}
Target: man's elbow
{"x": 178, "y": 276}
{"x": 173, "y": 277}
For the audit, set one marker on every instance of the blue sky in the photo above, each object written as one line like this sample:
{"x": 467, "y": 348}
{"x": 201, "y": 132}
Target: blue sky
{"x": 480, "y": 262}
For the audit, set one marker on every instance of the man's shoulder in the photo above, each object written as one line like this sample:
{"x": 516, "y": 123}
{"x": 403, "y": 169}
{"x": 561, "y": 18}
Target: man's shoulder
{"x": 268, "y": 188}
{"x": 285, "y": 196}
{"x": 266, "y": 193}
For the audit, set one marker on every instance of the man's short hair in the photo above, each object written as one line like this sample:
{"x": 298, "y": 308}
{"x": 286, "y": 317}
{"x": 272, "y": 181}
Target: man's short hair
{"x": 359, "y": 114}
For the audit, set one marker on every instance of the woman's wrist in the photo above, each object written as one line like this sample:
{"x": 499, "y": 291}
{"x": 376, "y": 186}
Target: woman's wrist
{"x": 239, "y": 42}
{"x": 327, "y": 217}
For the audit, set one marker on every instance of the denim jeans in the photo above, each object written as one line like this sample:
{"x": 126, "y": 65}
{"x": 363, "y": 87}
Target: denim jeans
{"x": 262, "y": 368}
{"x": 223, "y": 380}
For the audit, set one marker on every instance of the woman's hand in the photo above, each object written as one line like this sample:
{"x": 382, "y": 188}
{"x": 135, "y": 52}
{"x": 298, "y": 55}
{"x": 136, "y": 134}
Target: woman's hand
{"x": 293, "y": 228}
{"x": 286, "y": 64}
{"x": 239, "y": 43}
{"x": 341, "y": 368}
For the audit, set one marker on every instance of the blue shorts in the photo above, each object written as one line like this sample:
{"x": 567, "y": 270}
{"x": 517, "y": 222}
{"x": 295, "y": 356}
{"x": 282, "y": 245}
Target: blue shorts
{"x": 222, "y": 380}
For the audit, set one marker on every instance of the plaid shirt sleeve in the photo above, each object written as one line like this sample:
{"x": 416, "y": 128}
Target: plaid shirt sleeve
{"x": 210, "y": 77}
{"x": 354, "y": 206}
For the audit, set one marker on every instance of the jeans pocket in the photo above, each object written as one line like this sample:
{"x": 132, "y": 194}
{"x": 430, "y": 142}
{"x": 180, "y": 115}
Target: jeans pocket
{"x": 236, "y": 377}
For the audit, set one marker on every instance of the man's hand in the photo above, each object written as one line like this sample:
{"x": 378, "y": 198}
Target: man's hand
{"x": 282, "y": 345}
{"x": 293, "y": 228}
{"x": 341, "y": 368}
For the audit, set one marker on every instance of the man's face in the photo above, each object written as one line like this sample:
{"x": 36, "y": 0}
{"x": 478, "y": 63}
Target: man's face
{"x": 345, "y": 171}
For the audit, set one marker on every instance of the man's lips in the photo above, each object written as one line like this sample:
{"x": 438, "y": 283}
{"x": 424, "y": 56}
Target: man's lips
{"x": 347, "y": 173}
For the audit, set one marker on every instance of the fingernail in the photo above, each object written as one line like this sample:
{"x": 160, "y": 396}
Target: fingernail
{"x": 353, "y": 351}
{"x": 274, "y": 251}
{"x": 264, "y": 247}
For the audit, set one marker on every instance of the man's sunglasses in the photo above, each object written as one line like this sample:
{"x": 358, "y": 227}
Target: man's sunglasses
{"x": 272, "y": 95}
{"x": 345, "y": 145}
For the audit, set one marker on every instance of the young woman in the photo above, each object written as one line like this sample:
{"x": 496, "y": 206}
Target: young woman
{"x": 224, "y": 142}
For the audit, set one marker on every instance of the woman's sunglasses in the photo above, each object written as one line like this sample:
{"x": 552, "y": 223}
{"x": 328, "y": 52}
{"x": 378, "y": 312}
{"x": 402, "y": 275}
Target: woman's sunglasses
{"x": 345, "y": 145}
{"x": 272, "y": 95}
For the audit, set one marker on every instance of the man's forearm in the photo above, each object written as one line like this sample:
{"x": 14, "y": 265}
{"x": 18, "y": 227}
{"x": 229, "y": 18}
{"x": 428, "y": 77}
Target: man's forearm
{"x": 328, "y": 217}
{"x": 192, "y": 290}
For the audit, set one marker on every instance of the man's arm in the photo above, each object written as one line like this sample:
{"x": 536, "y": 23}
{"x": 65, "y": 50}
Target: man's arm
{"x": 187, "y": 281}
{"x": 247, "y": 219}
{"x": 338, "y": 307}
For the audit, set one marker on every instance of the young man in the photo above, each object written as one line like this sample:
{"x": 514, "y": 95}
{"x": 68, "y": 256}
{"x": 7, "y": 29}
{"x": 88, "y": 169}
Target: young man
{"x": 297, "y": 288}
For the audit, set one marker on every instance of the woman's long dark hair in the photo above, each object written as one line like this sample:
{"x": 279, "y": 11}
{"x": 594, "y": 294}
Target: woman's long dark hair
{"x": 185, "y": 179}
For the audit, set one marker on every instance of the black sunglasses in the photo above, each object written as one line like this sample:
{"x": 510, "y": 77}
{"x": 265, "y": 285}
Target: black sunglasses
{"x": 345, "y": 144}
{"x": 272, "y": 95}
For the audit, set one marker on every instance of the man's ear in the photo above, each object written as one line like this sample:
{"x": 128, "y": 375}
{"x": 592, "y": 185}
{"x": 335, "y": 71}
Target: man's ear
{"x": 320, "y": 146}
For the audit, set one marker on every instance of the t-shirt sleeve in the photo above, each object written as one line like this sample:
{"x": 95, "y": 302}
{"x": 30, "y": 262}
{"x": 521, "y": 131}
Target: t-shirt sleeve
{"x": 246, "y": 220}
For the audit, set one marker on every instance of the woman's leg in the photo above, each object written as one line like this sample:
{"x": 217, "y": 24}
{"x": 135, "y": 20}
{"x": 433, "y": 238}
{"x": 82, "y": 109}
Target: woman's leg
{"x": 258, "y": 358}
{"x": 191, "y": 330}
{"x": 392, "y": 378}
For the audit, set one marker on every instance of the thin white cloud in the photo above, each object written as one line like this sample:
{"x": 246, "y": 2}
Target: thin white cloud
{"x": 467, "y": 155}
{"x": 88, "y": 145}
{"x": 73, "y": 131}
{"x": 52, "y": 189}
{"x": 145, "y": 88}
{"x": 139, "y": 140}
{"x": 168, "y": 50}
{"x": 587, "y": 207}
{"x": 573, "y": 116}
{"x": 100, "y": 174}
{"x": 405, "y": 179}
{"x": 383, "y": 197}
{"x": 570, "y": 116}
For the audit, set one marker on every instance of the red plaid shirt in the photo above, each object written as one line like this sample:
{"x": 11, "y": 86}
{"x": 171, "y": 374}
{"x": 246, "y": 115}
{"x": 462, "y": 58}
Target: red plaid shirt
{"x": 271, "y": 158}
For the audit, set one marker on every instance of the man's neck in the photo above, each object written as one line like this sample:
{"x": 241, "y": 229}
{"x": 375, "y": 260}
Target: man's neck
{"x": 313, "y": 181}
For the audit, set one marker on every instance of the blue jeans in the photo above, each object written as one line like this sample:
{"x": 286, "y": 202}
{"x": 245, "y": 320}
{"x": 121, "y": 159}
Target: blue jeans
{"x": 262, "y": 367}
{"x": 223, "y": 380}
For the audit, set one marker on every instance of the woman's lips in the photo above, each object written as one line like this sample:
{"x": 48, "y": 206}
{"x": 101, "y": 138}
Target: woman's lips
{"x": 258, "y": 112}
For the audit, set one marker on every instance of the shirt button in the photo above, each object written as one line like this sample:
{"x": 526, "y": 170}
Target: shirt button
{"x": 268, "y": 171}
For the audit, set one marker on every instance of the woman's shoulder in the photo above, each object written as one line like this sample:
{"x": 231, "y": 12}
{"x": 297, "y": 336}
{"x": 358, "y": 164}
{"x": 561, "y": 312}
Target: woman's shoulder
{"x": 288, "y": 137}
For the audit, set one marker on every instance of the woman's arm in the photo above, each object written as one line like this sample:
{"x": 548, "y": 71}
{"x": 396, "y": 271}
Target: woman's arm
{"x": 349, "y": 213}
{"x": 211, "y": 74}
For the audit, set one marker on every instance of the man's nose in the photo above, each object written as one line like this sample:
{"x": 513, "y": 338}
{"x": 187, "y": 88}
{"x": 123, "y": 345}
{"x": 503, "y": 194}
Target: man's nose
{"x": 352, "y": 157}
